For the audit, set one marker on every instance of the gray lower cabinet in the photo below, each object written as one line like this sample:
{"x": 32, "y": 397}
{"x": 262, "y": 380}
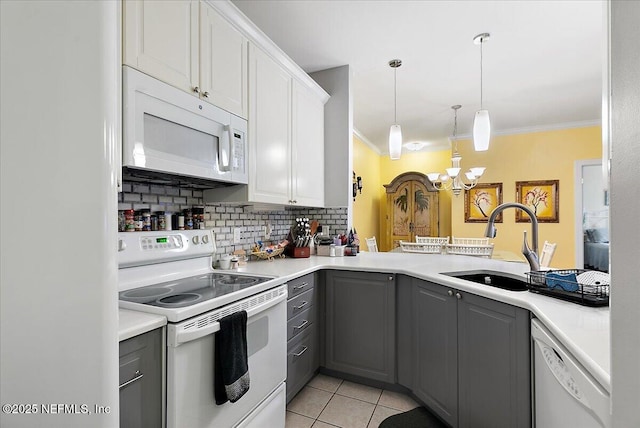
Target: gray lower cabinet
{"x": 469, "y": 356}
{"x": 359, "y": 324}
{"x": 303, "y": 347}
{"x": 141, "y": 386}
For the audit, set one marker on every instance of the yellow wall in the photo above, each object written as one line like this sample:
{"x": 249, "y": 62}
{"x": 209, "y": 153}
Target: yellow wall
{"x": 423, "y": 162}
{"x": 536, "y": 156}
{"x": 366, "y": 207}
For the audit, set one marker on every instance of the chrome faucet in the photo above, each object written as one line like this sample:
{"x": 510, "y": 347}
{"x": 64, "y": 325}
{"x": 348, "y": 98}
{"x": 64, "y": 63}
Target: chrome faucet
{"x": 531, "y": 254}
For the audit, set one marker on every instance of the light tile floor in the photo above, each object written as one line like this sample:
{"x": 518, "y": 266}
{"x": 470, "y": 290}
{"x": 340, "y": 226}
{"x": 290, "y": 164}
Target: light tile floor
{"x": 328, "y": 402}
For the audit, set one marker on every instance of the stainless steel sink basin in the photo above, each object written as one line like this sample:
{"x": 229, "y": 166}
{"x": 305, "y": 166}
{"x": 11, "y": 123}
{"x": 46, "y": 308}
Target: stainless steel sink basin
{"x": 492, "y": 278}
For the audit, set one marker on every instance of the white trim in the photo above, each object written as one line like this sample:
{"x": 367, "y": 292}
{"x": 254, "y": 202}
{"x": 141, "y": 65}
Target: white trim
{"x": 578, "y": 208}
{"x": 255, "y": 35}
{"x": 539, "y": 128}
{"x": 367, "y": 141}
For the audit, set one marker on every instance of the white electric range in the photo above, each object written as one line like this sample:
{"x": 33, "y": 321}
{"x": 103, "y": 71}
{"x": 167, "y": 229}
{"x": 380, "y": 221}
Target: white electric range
{"x": 169, "y": 273}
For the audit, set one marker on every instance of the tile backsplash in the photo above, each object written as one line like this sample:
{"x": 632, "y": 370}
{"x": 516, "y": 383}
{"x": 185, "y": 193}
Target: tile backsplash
{"x": 223, "y": 218}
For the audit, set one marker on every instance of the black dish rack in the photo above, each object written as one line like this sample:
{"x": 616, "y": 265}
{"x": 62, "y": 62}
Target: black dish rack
{"x": 563, "y": 284}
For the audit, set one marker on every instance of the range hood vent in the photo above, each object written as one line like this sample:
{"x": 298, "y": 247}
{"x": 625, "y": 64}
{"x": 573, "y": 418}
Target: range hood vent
{"x": 167, "y": 179}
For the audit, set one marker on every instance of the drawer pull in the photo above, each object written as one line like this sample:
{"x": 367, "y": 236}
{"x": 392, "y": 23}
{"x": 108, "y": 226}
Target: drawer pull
{"x": 130, "y": 381}
{"x": 304, "y": 349}
{"x": 301, "y": 326}
{"x": 302, "y": 305}
{"x": 301, "y": 286}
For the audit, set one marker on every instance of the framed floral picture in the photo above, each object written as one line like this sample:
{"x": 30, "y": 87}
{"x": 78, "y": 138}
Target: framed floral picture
{"x": 543, "y": 197}
{"x": 480, "y": 201}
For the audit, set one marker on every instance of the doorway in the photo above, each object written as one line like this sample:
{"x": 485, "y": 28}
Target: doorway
{"x": 591, "y": 209}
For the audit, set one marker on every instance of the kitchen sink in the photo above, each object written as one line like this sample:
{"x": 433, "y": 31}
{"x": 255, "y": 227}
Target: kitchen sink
{"x": 491, "y": 278}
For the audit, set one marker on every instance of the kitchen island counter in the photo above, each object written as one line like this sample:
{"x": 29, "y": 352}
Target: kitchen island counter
{"x": 584, "y": 331}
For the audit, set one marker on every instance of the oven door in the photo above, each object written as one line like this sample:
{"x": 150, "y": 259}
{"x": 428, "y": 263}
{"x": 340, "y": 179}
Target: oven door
{"x": 167, "y": 130}
{"x": 190, "y": 353}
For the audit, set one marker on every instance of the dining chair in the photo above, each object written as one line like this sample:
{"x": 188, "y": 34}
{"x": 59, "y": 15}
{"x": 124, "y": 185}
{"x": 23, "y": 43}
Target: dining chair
{"x": 372, "y": 245}
{"x": 548, "y": 249}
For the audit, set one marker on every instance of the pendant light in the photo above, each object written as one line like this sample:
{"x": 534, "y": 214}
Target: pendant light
{"x": 395, "y": 133}
{"x": 481, "y": 122}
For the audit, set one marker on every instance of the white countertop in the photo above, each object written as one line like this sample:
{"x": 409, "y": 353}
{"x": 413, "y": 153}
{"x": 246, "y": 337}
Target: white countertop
{"x": 133, "y": 323}
{"x": 584, "y": 331}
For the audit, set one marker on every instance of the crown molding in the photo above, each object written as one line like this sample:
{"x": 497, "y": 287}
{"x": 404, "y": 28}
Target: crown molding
{"x": 367, "y": 142}
{"x": 538, "y": 128}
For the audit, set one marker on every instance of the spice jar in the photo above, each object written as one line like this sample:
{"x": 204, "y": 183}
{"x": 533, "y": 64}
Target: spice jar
{"x": 198, "y": 218}
{"x": 129, "y": 221}
{"x": 146, "y": 221}
{"x": 180, "y": 221}
{"x": 162, "y": 225}
{"x": 137, "y": 221}
{"x": 154, "y": 222}
{"x": 121, "y": 221}
{"x": 188, "y": 219}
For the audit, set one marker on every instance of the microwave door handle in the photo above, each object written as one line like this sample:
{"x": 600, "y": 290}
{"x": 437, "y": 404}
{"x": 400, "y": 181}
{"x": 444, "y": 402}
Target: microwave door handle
{"x": 224, "y": 149}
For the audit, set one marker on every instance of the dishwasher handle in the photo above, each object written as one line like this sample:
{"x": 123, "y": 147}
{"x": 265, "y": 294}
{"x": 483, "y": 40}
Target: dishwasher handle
{"x": 189, "y": 331}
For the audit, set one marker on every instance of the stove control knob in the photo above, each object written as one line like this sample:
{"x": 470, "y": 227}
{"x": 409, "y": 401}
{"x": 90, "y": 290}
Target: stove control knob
{"x": 121, "y": 245}
{"x": 205, "y": 239}
{"x": 196, "y": 240}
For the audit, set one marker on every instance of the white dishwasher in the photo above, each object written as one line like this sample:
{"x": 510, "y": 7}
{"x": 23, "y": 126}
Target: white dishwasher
{"x": 566, "y": 395}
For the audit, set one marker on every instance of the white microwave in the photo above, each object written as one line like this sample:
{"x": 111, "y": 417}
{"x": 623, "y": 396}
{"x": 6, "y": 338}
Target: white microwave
{"x": 168, "y": 131}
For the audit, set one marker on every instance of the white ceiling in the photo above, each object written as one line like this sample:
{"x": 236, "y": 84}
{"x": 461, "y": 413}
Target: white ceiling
{"x": 542, "y": 64}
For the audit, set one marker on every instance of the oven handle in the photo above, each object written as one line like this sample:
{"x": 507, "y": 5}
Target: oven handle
{"x": 187, "y": 336}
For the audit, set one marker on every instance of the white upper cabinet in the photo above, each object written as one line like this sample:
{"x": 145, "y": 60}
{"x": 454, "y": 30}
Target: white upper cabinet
{"x": 189, "y": 45}
{"x": 160, "y": 38}
{"x": 307, "y": 152}
{"x": 269, "y": 130}
{"x": 286, "y": 139}
{"x": 286, "y": 136}
{"x": 223, "y": 62}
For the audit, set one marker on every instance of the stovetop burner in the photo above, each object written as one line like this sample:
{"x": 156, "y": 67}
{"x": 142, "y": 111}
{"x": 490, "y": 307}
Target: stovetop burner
{"x": 188, "y": 291}
{"x": 238, "y": 280}
{"x": 179, "y": 300}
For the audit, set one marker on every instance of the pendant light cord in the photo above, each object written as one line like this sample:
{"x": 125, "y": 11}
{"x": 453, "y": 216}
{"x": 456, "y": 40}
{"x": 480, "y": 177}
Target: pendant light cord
{"x": 481, "y": 43}
{"x": 395, "y": 95}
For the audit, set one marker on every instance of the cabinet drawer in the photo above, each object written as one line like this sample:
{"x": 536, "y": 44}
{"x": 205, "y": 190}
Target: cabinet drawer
{"x": 300, "y": 303}
{"x": 302, "y": 361}
{"x": 141, "y": 387}
{"x": 300, "y": 322}
{"x": 300, "y": 285}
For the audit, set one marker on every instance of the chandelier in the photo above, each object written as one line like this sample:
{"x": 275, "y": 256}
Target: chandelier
{"x": 451, "y": 180}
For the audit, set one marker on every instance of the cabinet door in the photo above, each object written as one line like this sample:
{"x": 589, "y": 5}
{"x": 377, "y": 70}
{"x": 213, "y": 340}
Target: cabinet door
{"x": 425, "y": 211}
{"x": 435, "y": 364}
{"x": 269, "y": 129}
{"x": 160, "y": 38}
{"x": 141, "y": 389}
{"x": 360, "y": 324}
{"x": 223, "y": 62}
{"x": 494, "y": 364}
{"x": 307, "y": 155}
{"x": 400, "y": 209}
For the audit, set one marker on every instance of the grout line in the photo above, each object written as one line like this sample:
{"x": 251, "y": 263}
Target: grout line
{"x": 325, "y": 406}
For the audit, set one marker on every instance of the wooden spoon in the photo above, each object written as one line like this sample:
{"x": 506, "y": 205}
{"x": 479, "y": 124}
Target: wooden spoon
{"x": 314, "y": 227}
